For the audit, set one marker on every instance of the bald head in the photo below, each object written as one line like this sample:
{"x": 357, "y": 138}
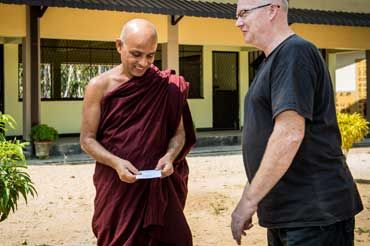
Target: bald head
{"x": 137, "y": 46}
{"x": 139, "y": 27}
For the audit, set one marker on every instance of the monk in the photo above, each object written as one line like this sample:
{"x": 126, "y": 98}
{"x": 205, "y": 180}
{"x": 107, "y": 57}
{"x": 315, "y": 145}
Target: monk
{"x": 136, "y": 117}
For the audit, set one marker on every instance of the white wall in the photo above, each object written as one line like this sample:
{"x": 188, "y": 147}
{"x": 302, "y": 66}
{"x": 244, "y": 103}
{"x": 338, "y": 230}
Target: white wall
{"x": 345, "y": 73}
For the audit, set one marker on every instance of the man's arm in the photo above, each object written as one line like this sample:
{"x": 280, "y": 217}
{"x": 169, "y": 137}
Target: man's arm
{"x": 174, "y": 148}
{"x": 282, "y": 146}
{"x": 90, "y": 120}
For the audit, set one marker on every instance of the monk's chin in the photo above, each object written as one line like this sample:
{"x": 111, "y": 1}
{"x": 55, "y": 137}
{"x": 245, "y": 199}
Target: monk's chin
{"x": 138, "y": 73}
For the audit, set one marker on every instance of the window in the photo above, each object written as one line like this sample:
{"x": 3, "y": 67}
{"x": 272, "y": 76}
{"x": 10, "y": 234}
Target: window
{"x": 45, "y": 77}
{"x": 191, "y": 67}
{"x": 68, "y": 65}
{"x": 255, "y": 58}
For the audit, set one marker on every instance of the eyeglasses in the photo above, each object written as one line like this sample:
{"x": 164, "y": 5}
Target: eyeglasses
{"x": 245, "y": 12}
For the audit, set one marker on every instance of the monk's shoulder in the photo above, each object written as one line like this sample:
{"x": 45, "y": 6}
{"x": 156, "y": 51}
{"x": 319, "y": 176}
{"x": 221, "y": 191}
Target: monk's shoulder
{"x": 102, "y": 82}
{"x": 180, "y": 82}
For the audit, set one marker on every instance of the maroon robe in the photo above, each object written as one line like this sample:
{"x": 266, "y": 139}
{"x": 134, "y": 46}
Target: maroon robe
{"x": 137, "y": 121}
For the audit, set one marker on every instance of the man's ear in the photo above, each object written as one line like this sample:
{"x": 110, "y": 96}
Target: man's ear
{"x": 273, "y": 11}
{"x": 119, "y": 45}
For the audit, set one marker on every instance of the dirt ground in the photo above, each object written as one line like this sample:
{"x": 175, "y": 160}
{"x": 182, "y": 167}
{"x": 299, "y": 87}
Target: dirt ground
{"x": 61, "y": 214}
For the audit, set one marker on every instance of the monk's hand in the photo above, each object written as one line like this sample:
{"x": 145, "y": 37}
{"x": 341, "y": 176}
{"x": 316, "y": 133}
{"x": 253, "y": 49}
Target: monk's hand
{"x": 165, "y": 164}
{"x": 241, "y": 219}
{"x": 126, "y": 171}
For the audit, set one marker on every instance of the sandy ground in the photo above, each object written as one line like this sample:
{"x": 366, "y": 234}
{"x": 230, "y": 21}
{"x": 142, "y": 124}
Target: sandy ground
{"x": 61, "y": 214}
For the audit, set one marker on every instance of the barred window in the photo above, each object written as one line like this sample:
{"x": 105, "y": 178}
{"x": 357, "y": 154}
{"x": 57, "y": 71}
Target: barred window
{"x": 68, "y": 65}
{"x": 45, "y": 80}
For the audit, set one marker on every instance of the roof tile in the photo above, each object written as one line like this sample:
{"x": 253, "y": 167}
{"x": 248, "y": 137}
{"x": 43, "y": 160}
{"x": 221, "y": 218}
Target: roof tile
{"x": 201, "y": 9}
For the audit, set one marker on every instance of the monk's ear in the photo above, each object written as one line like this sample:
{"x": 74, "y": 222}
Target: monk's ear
{"x": 119, "y": 44}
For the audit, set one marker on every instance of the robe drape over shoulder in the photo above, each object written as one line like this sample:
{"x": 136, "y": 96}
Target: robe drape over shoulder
{"x": 137, "y": 121}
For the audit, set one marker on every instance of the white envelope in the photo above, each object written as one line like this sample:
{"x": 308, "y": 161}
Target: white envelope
{"x": 149, "y": 174}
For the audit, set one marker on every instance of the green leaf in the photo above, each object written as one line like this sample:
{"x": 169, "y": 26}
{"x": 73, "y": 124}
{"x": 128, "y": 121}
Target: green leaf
{"x": 14, "y": 180}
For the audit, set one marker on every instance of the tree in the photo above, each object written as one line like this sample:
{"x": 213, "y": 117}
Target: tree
{"x": 14, "y": 181}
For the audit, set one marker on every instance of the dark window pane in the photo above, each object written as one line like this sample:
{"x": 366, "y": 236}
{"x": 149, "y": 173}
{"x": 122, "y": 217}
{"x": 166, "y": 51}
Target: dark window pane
{"x": 158, "y": 57}
{"x": 191, "y": 67}
{"x": 255, "y": 58}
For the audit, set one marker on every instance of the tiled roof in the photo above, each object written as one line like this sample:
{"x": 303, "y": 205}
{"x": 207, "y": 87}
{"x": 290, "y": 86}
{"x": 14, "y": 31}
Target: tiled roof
{"x": 201, "y": 9}
{"x": 311, "y": 16}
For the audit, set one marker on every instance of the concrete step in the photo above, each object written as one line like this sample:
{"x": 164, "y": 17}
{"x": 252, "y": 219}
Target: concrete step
{"x": 222, "y": 140}
{"x": 83, "y": 158}
{"x": 66, "y": 148}
{"x": 71, "y": 146}
{"x": 207, "y": 142}
{"x": 363, "y": 143}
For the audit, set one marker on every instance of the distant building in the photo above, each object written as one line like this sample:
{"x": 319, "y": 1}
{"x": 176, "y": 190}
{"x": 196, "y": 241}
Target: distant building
{"x": 50, "y": 49}
{"x": 355, "y": 100}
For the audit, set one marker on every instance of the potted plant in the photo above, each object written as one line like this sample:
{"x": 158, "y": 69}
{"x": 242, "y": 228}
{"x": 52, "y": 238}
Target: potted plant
{"x": 43, "y": 136}
{"x": 14, "y": 181}
{"x": 353, "y": 128}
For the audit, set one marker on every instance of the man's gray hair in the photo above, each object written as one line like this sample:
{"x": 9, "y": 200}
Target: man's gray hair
{"x": 284, "y": 4}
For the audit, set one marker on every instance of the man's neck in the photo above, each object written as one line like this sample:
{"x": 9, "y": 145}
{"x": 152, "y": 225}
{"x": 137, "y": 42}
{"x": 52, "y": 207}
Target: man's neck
{"x": 118, "y": 76}
{"x": 123, "y": 73}
{"x": 276, "y": 39}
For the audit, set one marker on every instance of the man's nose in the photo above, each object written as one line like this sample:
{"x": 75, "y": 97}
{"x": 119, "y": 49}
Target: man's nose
{"x": 239, "y": 22}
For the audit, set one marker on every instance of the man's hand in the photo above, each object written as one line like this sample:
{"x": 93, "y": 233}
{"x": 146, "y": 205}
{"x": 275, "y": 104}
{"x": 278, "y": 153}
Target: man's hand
{"x": 126, "y": 171}
{"x": 165, "y": 164}
{"x": 241, "y": 219}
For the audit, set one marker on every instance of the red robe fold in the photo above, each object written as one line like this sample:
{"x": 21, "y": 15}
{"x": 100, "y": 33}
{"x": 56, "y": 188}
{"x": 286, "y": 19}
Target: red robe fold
{"x": 137, "y": 121}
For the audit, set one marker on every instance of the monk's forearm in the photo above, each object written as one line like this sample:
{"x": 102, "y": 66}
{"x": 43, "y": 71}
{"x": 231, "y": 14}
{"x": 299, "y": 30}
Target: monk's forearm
{"x": 177, "y": 142}
{"x": 98, "y": 152}
{"x": 280, "y": 151}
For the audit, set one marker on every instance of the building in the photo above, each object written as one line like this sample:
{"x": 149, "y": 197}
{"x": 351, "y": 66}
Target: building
{"x": 351, "y": 87}
{"x": 72, "y": 40}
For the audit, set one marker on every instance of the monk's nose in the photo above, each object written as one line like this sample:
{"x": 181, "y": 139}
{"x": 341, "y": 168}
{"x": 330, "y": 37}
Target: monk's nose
{"x": 143, "y": 62}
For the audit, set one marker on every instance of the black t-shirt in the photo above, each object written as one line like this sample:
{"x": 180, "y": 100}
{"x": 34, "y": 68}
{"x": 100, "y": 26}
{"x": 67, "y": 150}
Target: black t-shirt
{"x": 318, "y": 188}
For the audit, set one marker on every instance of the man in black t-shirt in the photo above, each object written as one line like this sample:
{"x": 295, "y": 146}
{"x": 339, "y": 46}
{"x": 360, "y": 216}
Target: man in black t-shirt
{"x": 300, "y": 184}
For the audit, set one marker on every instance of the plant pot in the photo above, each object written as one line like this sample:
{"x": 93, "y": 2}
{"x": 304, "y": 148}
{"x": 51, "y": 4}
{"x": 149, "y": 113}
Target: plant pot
{"x": 42, "y": 149}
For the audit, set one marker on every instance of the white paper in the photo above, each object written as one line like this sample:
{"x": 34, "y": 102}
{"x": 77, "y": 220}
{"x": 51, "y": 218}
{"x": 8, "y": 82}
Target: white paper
{"x": 149, "y": 174}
